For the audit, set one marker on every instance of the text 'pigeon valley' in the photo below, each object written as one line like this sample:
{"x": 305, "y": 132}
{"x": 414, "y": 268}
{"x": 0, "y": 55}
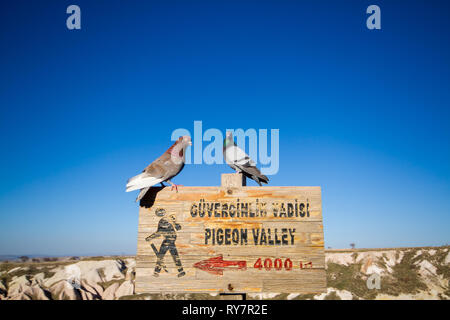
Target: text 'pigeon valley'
{"x": 257, "y": 237}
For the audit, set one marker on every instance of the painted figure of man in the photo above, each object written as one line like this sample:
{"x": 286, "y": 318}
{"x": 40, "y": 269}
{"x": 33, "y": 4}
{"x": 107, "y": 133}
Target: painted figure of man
{"x": 167, "y": 228}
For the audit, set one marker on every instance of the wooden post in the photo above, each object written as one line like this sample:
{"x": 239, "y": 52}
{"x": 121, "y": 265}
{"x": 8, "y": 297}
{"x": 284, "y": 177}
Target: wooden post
{"x": 233, "y": 180}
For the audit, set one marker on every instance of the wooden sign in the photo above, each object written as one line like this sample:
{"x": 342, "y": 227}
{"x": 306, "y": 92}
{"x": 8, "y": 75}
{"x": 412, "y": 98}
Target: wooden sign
{"x": 231, "y": 240}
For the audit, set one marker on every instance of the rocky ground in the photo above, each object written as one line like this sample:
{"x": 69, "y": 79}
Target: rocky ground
{"x": 404, "y": 273}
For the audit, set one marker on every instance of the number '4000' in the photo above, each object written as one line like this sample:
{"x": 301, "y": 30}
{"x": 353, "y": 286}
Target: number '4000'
{"x": 277, "y": 264}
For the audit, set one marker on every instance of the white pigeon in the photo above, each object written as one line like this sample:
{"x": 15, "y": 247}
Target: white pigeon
{"x": 238, "y": 160}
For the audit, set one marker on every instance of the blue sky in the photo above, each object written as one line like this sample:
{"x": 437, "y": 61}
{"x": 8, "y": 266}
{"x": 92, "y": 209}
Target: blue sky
{"x": 363, "y": 114}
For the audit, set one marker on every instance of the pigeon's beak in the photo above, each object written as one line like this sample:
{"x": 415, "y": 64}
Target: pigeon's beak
{"x": 190, "y": 143}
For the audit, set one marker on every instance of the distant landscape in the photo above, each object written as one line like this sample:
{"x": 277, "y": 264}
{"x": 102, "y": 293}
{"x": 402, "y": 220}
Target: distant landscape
{"x": 419, "y": 273}
{"x": 43, "y": 257}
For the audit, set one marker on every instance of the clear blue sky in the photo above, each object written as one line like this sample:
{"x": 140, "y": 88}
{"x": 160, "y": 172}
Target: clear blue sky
{"x": 363, "y": 114}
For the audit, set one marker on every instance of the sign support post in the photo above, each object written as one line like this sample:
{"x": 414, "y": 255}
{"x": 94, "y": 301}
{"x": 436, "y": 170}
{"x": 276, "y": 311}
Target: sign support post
{"x": 231, "y": 180}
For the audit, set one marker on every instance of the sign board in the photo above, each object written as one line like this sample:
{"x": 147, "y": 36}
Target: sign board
{"x": 231, "y": 240}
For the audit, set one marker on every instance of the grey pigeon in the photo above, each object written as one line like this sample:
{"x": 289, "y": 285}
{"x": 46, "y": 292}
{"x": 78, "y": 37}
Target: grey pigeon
{"x": 238, "y": 160}
{"x": 162, "y": 169}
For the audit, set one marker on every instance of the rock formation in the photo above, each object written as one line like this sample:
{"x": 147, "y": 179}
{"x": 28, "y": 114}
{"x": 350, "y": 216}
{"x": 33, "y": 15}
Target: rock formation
{"x": 404, "y": 273}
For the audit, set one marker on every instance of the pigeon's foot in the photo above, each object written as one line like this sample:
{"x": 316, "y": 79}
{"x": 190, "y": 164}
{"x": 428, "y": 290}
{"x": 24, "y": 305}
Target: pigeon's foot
{"x": 175, "y": 186}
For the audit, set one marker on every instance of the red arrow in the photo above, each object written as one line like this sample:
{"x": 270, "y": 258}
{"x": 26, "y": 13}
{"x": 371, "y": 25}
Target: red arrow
{"x": 216, "y": 265}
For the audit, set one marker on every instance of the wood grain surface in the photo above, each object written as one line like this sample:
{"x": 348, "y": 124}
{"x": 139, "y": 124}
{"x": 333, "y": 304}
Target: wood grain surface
{"x": 231, "y": 239}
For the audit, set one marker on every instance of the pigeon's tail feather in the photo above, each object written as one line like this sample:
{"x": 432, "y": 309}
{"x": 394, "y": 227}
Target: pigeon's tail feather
{"x": 255, "y": 174}
{"x": 142, "y": 193}
{"x": 139, "y": 176}
{"x": 260, "y": 179}
{"x": 142, "y": 181}
{"x": 263, "y": 179}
